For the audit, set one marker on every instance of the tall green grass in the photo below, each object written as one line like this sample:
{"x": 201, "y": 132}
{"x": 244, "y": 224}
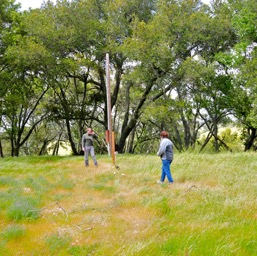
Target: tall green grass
{"x": 63, "y": 208}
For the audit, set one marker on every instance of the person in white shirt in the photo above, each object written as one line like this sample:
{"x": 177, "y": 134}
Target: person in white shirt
{"x": 165, "y": 152}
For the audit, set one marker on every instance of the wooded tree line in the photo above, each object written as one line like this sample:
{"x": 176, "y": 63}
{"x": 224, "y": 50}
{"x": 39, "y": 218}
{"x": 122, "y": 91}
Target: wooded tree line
{"x": 178, "y": 65}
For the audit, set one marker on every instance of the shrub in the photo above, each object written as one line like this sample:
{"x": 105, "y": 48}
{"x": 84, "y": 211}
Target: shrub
{"x": 57, "y": 243}
{"x": 13, "y": 232}
{"x": 23, "y": 209}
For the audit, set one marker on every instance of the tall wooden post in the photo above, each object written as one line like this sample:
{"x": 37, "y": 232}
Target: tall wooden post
{"x": 111, "y": 145}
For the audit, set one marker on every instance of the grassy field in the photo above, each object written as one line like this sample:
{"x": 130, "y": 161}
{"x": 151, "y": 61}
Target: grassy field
{"x": 56, "y": 206}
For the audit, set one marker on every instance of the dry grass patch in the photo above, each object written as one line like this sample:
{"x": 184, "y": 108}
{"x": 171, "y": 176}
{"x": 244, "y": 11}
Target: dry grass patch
{"x": 209, "y": 210}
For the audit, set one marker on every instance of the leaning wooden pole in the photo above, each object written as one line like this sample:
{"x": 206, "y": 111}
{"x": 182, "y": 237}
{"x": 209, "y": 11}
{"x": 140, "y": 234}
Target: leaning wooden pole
{"x": 110, "y": 139}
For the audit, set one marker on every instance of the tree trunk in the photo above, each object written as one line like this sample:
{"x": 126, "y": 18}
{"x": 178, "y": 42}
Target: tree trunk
{"x": 206, "y": 141}
{"x": 215, "y": 135}
{"x": 128, "y": 126}
{"x": 251, "y": 137}
{"x": 56, "y": 148}
{"x": 131, "y": 141}
{"x": 43, "y": 148}
{"x": 73, "y": 146}
{"x": 178, "y": 142}
{"x": 1, "y": 150}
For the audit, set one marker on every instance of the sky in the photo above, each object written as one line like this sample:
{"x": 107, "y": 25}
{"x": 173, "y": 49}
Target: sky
{"x": 26, "y": 4}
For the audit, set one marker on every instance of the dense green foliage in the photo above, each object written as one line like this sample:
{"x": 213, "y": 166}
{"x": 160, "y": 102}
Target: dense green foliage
{"x": 179, "y": 65}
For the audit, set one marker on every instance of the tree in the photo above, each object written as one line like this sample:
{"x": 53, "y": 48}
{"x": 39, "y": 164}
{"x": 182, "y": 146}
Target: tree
{"x": 171, "y": 68}
{"x": 181, "y": 31}
{"x": 244, "y": 62}
{"x": 8, "y": 18}
{"x": 20, "y": 115}
{"x": 79, "y": 87}
{"x": 23, "y": 86}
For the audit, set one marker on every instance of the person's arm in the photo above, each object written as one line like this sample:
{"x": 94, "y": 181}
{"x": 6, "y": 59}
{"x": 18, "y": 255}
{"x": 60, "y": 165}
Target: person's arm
{"x": 82, "y": 142}
{"x": 161, "y": 150}
{"x": 163, "y": 147}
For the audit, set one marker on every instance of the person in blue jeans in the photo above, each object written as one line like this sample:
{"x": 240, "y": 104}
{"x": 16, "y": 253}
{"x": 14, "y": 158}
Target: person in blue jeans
{"x": 88, "y": 146}
{"x": 165, "y": 152}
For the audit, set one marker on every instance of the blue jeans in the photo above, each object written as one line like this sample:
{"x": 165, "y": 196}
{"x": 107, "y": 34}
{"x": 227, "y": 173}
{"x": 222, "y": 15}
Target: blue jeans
{"x": 166, "y": 171}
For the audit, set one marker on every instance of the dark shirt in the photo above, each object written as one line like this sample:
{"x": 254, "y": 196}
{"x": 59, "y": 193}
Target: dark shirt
{"x": 88, "y": 140}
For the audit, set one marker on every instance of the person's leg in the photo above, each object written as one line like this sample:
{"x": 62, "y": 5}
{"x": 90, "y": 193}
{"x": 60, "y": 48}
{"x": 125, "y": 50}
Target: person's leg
{"x": 166, "y": 169}
{"x": 163, "y": 173}
{"x": 86, "y": 151}
{"x": 92, "y": 152}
